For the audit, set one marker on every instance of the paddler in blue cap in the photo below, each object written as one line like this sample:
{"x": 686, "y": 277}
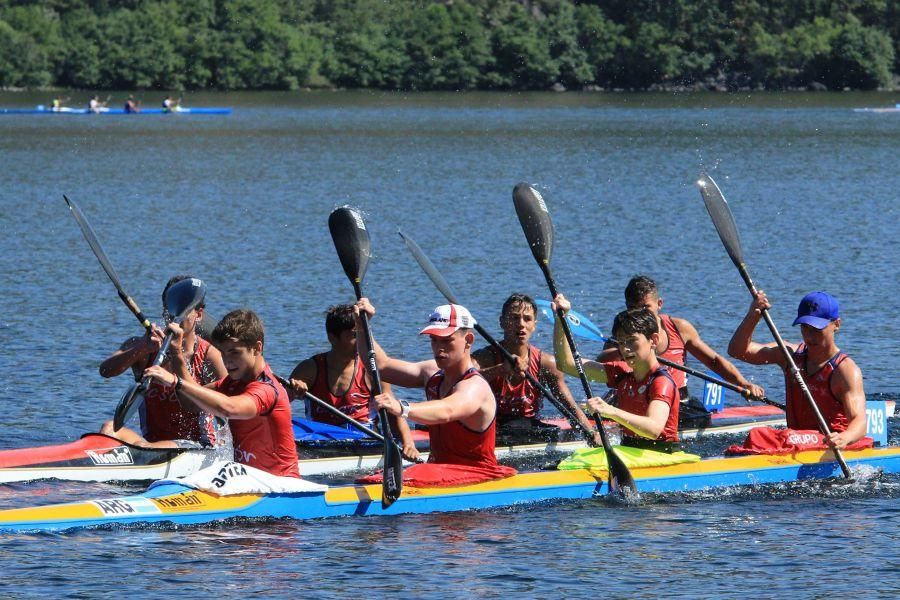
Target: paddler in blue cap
{"x": 833, "y": 378}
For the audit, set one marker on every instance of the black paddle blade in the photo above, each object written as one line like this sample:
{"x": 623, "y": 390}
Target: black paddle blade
{"x": 127, "y": 405}
{"x": 184, "y": 296}
{"x": 351, "y": 240}
{"x": 535, "y": 220}
{"x": 721, "y": 216}
{"x": 620, "y": 480}
{"x": 436, "y": 278}
{"x": 392, "y": 475}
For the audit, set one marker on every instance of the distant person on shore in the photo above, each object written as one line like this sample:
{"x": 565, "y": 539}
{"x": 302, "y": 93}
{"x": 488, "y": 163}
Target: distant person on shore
{"x": 132, "y": 105}
{"x": 834, "y": 380}
{"x": 96, "y": 106}
{"x": 171, "y": 105}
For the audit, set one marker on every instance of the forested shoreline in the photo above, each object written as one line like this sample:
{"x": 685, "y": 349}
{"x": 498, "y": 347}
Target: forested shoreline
{"x": 450, "y": 44}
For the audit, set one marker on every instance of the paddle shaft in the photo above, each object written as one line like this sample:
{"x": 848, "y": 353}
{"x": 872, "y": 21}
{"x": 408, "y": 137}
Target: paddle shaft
{"x": 725, "y": 384}
{"x": 618, "y": 470}
{"x": 792, "y": 366}
{"x": 372, "y": 366}
{"x": 94, "y": 243}
{"x": 333, "y": 410}
{"x": 588, "y": 434}
{"x": 568, "y": 332}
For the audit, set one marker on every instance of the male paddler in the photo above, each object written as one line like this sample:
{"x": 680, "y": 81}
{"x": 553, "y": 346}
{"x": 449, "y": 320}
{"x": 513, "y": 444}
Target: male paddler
{"x": 460, "y": 409}
{"x": 250, "y": 397}
{"x": 517, "y": 400}
{"x": 163, "y": 417}
{"x": 340, "y": 378}
{"x": 647, "y": 395}
{"x": 677, "y": 338}
{"x": 834, "y": 380}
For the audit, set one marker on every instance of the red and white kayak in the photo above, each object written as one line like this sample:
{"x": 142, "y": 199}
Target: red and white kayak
{"x": 97, "y": 457}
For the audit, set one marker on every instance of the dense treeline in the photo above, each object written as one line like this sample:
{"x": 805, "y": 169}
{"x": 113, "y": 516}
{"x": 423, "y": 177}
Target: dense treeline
{"x": 449, "y": 44}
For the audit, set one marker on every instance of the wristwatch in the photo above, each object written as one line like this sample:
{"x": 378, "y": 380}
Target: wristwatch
{"x": 404, "y": 408}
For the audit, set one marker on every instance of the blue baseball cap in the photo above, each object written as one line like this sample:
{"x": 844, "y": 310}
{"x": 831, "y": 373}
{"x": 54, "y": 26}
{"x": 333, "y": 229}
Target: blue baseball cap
{"x": 817, "y": 309}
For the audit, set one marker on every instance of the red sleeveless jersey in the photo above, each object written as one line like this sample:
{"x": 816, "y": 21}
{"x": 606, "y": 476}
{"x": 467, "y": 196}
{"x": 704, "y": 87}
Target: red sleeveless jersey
{"x": 453, "y": 442}
{"x": 675, "y": 352}
{"x": 354, "y": 402}
{"x": 635, "y": 396}
{"x": 265, "y": 441}
{"x": 799, "y": 413}
{"x": 520, "y": 399}
{"x": 162, "y": 416}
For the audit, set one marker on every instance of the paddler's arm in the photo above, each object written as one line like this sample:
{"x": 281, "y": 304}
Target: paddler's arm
{"x": 132, "y": 351}
{"x": 464, "y": 402}
{"x": 742, "y": 346}
{"x": 407, "y": 445}
{"x": 302, "y": 378}
{"x": 648, "y": 426}
{"x": 243, "y": 406}
{"x": 393, "y": 370}
{"x": 557, "y": 381}
{"x": 694, "y": 344}
{"x": 564, "y": 359}
{"x": 847, "y": 386}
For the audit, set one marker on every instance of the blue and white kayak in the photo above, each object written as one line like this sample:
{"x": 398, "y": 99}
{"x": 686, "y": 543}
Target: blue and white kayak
{"x": 44, "y": 110}
{"x": 178, "y": 504}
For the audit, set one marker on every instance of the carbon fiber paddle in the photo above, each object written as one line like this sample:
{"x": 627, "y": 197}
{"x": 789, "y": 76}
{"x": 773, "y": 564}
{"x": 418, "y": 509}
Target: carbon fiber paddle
{"x": 351, "y": 240}
{"x": 721, "y": 216}
{"x": 538, "y": 228}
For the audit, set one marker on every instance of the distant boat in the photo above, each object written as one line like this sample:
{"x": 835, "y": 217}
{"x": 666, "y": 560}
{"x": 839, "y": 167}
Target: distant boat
{"x": 40, "y": 109}
{"x": 879, "y": 110}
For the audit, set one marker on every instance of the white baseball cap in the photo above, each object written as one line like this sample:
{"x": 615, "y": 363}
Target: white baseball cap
{"x": 447, "y": 318}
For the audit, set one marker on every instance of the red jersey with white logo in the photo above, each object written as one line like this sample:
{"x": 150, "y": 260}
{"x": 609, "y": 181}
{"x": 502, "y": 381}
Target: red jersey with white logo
{"x": 265, "y": 441}
{"x": 163, "y": 417}
{"x": 635, "y": 396}
{"x": 517, "y": 399}
{"x": 798, "y": 411}
{"x": 675, "y": 352}
{"x": 453, "y": 442}
{"x": 353, "y": 403}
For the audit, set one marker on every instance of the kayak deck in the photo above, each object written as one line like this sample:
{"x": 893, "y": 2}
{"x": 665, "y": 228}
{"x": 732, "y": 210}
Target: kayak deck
{"x": 177, "y": 504}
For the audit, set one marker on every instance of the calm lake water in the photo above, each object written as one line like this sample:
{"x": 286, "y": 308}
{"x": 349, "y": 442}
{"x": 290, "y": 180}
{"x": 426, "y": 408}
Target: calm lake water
{"x": 242, "y": 201}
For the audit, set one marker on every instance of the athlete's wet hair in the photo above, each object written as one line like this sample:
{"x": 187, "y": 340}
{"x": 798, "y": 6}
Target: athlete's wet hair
{"x": 638, "y": 288}
{"x": 518, "y": 299}
{"x": 242, "y": 325}
{"x": 172, "y": 282}
{"x": 635, "y": 320}
{"x": 339, "y": 318}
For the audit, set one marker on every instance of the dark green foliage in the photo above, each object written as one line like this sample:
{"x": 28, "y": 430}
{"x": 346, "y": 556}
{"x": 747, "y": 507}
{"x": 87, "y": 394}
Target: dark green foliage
{"x": 449, "y": 44}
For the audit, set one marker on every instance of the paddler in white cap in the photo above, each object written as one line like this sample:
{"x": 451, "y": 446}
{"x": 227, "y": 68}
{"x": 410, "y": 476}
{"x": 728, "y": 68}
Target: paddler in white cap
{"x": 460, "y": 409}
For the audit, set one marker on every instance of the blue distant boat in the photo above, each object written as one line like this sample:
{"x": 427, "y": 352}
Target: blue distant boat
{"x": 45, "y": 110}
